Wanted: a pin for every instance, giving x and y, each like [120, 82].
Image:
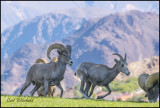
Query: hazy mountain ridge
[15, 11]
[40, 30]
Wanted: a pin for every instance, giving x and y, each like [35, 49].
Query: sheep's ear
[59, 52]
[115, 60]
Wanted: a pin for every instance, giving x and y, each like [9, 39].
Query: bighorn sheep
[49, 74]
[150, 84]
[99, 74]
[51, 89]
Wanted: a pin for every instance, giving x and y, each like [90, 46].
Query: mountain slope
[15, 11]
[134, 33]
[40, 30]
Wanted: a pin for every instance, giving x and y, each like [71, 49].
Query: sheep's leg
[34, 89]
[40, 91]
[39, 95]
[82, 87]
[93, 86]
[53, 91]
[109, 92]
[60, 87]
[88, 85]
[49, 91]
[26, 84]
[46, 84]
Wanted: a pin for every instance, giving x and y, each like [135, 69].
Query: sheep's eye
[122, 65]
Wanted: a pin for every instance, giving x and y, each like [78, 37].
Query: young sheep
[51, 89]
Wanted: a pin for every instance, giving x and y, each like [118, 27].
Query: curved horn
[125, 56]
[121, 58]
[54, 46]
[69, 48]
[141, 80]
[54, 59]
[151, 79]
[41, 60]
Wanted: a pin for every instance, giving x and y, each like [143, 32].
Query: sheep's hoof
[31, 93]
[99, 97]
[86, 97]
[82, 97]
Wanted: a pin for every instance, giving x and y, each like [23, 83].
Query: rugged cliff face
[147, 65]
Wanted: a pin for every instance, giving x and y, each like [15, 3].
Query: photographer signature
[20, 99]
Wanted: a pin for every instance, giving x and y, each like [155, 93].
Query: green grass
[64, 102]
[128, 85]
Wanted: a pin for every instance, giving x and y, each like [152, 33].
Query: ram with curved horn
[49, 74]
[150, 84]
[99, 74]
[51, 89]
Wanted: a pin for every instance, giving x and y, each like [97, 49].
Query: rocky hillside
[147, 65]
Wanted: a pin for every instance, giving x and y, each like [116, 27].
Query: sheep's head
[153, 93]
[122, 64]
[64, 53]
[150, 84]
